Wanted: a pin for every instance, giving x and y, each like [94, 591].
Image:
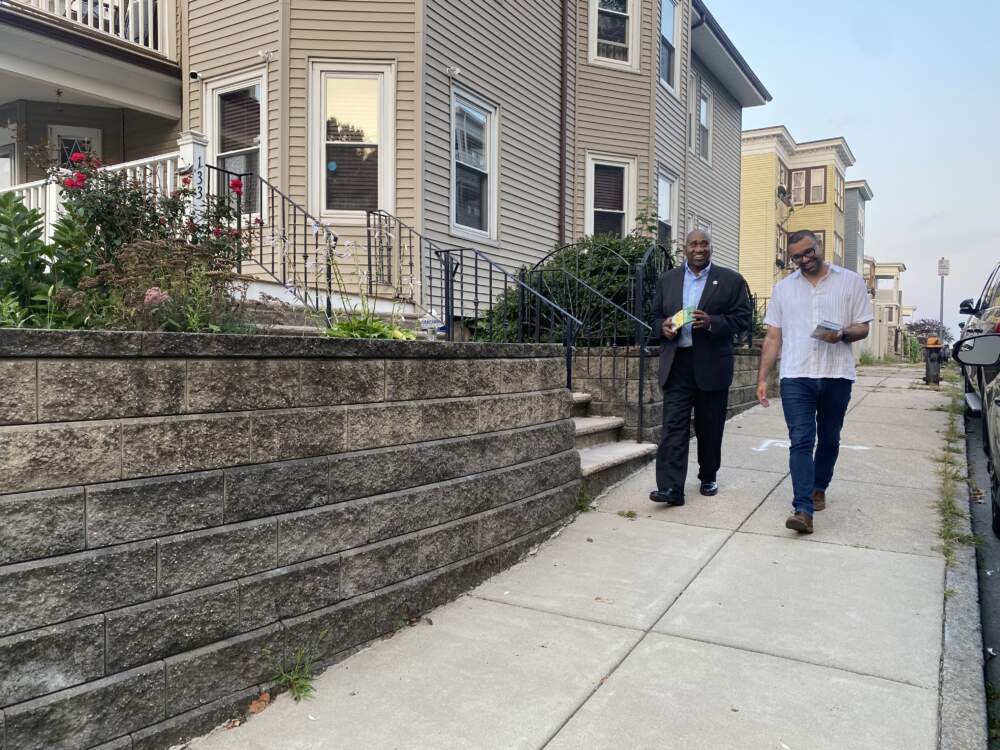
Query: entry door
[65, 140]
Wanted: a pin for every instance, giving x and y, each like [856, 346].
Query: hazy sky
[914, 87]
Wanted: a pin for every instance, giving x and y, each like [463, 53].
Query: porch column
[193, 163]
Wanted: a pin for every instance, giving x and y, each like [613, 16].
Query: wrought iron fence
[287, 242]
[393, 250]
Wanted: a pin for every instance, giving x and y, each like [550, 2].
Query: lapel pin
[715, 283]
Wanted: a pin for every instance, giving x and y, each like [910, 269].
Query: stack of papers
[825, 327]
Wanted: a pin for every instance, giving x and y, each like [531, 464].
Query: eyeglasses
[699, 243]
[808, 252]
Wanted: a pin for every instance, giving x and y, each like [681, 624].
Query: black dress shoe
[709, 488]
[670, 497]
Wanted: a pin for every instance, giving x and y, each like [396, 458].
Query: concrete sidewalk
[706, 626]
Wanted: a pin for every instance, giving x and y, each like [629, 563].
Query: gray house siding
[714, 188]
[512, 60]
[671, 122]
[854, 245]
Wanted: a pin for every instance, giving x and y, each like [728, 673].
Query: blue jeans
[814, 408]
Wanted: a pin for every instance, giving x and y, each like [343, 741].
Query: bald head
[698, 249]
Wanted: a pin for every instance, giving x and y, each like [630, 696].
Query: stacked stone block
[175, 508]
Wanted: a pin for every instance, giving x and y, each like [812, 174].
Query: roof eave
[717, 51]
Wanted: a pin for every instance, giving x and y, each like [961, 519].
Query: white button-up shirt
[797, 307]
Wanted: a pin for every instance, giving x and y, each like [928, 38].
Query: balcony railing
[147, 24]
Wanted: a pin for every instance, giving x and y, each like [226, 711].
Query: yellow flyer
[683, 316]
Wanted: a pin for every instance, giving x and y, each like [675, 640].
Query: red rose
[80, 178]
[217, 232]
[77, 156]
[236, 185]
[163, 221]
[69, 183]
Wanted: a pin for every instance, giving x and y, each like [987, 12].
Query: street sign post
[944, 267]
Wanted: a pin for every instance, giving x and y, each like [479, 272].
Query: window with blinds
[705, 124]
[799, 187]
[817, 185]
[238, 136]
[472, 164]
[609, 200]
[351, 120]
[665, 195]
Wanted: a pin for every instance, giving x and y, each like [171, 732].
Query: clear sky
[914, 87]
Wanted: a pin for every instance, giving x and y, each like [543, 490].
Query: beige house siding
[508, 56]
[714, 188]
[354, 31]
[614, 109]
[223, 38]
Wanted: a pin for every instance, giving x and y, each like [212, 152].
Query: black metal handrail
[392, 246]
[288, 243]
[605, 323]
[475, 287]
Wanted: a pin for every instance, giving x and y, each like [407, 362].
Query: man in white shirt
[816, 372]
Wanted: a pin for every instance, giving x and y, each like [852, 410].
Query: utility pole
[943, 268]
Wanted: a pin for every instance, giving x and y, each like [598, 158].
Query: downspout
[690, 125]
[563, 121]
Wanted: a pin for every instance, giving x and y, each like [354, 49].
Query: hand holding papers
[827, 331]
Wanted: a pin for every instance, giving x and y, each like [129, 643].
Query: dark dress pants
[680, 395]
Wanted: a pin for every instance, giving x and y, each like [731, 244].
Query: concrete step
[609, 463]
[581, 404]
[591, 431]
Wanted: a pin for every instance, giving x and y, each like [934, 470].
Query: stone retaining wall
[174, 507]
[611, 377]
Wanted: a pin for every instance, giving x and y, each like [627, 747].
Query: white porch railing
[149, 24]
[157, 173]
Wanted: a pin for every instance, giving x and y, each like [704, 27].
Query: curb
[962, 708]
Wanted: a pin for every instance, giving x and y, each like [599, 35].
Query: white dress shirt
[797, 307]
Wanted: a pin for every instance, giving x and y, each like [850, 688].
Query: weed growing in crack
[298, 676]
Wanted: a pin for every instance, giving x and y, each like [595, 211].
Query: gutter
[727, 43]
[563, 124]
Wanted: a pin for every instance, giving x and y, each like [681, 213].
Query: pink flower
[77, 156]
[186, 180]
[236, 185]
[257, 221]
[234, 234]
[155, 296]
[163, 221]
[217, 232]
[81, 178]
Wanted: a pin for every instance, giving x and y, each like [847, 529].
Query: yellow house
[788, 186]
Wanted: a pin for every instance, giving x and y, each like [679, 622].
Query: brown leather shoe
[819, 500]
[800, 522]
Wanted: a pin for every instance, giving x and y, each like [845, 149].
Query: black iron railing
[286, 241]
[757, 327]
[655, 261]
[393, 250]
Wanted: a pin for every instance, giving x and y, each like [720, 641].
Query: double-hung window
[783, 175]
[614, 33]
[838, 250]
[666, 210]
[809, 186]
[705, 123]
[610, 195]
[237, 109]
[861, 218]
[474, 165]
[817, 185]
[781, 250]
[838, 195]
[669, 12]
[352, 139]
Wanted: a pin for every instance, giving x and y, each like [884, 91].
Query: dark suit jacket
[725, 299]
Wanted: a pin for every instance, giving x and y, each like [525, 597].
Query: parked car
[984, 317]
[981, 354]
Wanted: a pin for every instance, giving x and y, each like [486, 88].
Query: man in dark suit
[696, 363]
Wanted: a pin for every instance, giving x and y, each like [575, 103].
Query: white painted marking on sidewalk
[786, 445]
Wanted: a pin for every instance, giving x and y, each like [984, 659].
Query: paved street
[703, 627]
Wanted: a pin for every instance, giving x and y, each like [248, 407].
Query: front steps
[604, 458]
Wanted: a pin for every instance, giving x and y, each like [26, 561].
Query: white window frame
[839, 250]
[213, 88]
[861, 218]
[672, 86]
[55, 132]
[492, 163]
[630, 187]
[385, 71]
[10, 150]
[634, 38]
[804, 187]
[839, 189]
[664, 176]
[692, 96]
[813, 185]
[706, 93]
